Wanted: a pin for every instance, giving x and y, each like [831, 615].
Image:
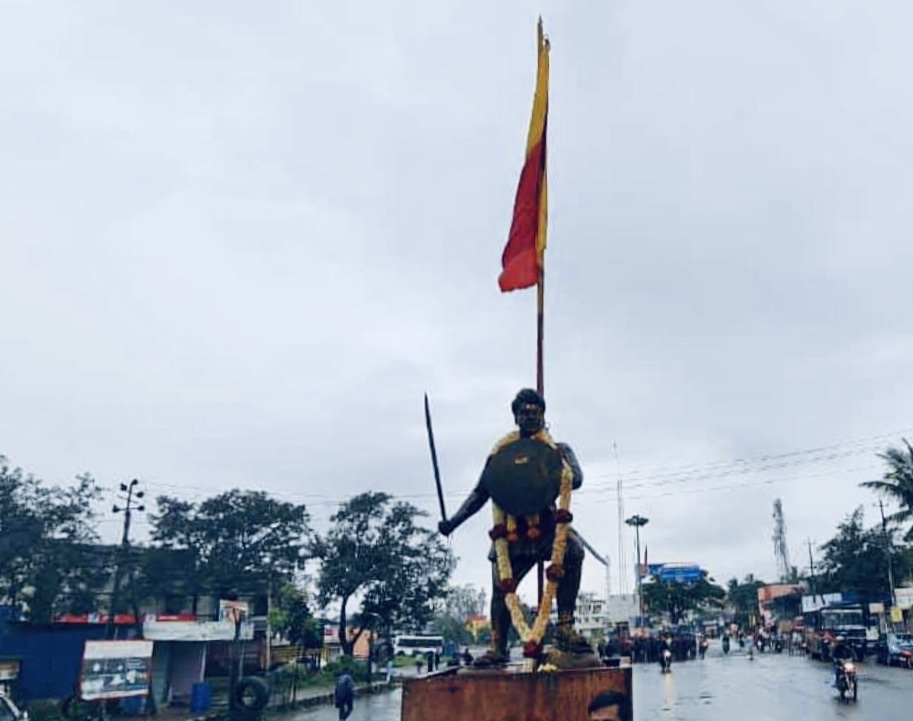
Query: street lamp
[637, 522]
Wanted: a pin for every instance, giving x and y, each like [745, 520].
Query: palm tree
[898, 484]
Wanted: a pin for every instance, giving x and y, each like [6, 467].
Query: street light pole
[122, 555]
[638, 521]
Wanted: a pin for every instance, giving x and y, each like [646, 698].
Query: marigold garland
[505, 530]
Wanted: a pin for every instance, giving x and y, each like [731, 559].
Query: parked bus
[417, 644]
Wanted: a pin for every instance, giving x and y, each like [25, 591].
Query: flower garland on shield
[505, 531]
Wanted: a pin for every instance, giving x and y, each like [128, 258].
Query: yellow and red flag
[524, 253]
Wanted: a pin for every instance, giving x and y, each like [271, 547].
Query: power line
[658, 478]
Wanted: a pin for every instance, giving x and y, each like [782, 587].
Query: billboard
[778, 590]
[674, 572]
[115, 669]
[813, 603]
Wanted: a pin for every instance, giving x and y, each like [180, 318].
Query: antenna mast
[622, 562]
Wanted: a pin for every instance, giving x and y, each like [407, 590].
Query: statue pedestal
[509, 694]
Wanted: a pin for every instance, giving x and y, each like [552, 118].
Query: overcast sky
[239, 240]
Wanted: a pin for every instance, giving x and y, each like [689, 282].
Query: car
[896, 649]
[9, 711]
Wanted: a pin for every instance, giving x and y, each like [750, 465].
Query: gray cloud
[238, 244]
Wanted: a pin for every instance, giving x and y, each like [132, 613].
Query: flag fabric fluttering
[524, 254]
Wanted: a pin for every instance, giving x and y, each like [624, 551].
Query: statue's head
[529, 412]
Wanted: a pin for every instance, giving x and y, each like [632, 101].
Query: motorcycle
[665, 660]
[846, 680]
[725, 644]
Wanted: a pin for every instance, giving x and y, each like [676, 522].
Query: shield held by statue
[523, 477]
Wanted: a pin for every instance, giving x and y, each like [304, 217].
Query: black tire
[74, 708]
[251, 694]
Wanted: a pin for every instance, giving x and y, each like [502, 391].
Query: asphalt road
[772, 687]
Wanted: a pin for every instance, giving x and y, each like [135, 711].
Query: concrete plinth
[510, 694]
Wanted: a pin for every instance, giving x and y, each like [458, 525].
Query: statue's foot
[571, 641]
[491, 659]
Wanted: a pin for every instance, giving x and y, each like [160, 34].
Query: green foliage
[375, 550]
[743, 599]
[856, 559]
[346, 664]
[677, 599]
[44, 536]
[240, 542]
[897, 484]
[292, 617]
[452, 616]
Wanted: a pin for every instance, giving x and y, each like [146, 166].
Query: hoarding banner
[115, 669]
[813, 603]
[904, 597]
[777, 590]
[233, 611]
[196, 630]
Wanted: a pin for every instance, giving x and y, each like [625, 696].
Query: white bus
[418, 644]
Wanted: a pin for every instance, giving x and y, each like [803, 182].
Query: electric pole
[811, 571]
[887, 553]
[123, 551]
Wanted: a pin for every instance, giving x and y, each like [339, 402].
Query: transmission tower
[779, 538]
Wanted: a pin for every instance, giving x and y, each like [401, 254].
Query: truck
[824, 625]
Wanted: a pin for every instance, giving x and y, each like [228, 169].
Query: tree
[374, 550]
[677, 598]
[743, 599]
[454, 613]
[240, 542]
[897, 484]
[291, 616]
[44, 534]
[856, 559]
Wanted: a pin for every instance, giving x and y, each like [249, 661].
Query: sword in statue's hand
[437, 472]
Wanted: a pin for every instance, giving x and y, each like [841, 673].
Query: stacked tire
[248, 699]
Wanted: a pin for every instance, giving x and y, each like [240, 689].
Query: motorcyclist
[841, 652]
[665, 661]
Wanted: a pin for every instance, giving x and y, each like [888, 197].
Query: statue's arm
[473, 503]
[568, 454]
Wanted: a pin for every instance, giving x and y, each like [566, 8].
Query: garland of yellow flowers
[505, 531]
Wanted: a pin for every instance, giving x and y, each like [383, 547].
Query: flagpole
[540, 321]
[540, 329]
[540, 389]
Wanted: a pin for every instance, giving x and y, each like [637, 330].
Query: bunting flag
[524, 255]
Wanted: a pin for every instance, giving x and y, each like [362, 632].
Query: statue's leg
[500, 614]
[566, 637]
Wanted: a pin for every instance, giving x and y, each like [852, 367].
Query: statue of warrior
[523, 477]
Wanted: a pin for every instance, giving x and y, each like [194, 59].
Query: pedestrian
[389, 669]
[418, 665]
[345, 694]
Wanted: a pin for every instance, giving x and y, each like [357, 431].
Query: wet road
[772, 687]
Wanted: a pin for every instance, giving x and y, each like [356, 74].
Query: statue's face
[529, 419]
